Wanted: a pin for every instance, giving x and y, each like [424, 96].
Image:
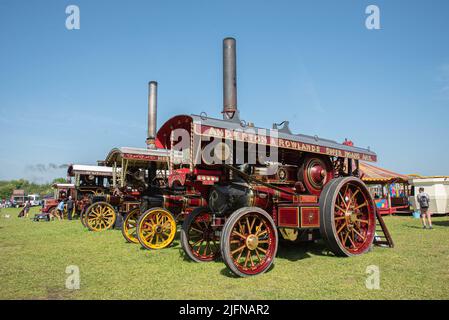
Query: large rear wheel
[156, 228]
[249, 241]
[198, 238]
[100, 216]
[129, 226]
[347, 216]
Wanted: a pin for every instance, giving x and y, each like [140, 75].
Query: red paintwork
[310, 217]
[49, 204]
[288, 217]
[178, 122]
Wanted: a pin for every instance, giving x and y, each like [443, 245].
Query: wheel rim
[354, 220]
[203, 243]
[130, 225]
[100, 217]
[157, 229]
[252, 243]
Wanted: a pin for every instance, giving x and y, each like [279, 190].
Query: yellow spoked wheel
[129, 226]
[156, 229]
[100, 216]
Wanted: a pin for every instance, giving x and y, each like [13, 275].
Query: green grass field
[34, 257]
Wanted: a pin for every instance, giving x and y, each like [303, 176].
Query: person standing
[424, 201]
[60, 209]
[26, 208]
[70, 204]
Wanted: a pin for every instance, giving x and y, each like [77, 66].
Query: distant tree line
[6, 187]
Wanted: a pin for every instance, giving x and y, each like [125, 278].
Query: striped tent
[373, 174]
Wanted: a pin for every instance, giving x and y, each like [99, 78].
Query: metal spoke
[361, 206]
[263, 250]
[247, 257]
[342, 226]
[239, 234]
[340, 208]
[252, 223]
[359, 234]
[238, 249]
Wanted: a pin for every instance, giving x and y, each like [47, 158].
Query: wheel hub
[317, 173]
[353, 217]
[252, 241]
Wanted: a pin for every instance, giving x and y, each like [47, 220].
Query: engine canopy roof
[232, 130]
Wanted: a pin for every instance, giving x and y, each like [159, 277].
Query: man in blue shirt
[60, 210]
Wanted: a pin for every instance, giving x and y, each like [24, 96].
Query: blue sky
[69, 96]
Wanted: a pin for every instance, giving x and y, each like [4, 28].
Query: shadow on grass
[414, 227]
[444, 223]
[294, 251]
[186, 258]
[173, 245]
[286, 250]
[229, 274]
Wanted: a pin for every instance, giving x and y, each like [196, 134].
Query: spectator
[70, 206]
[424, 200]
[60, 209]
[26, 208]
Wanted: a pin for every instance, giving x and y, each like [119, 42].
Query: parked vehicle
[61, 192]
[91, 184]
[18, 198]
[310, 190]
[438, 190]
[150, 208]
[35, 199]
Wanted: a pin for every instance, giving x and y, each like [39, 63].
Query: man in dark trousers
[424, 201]
[70, 205]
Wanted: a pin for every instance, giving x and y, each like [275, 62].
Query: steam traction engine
[140, 179]
[151, 209]
[61, 192]
[261, 184]
[90, 183]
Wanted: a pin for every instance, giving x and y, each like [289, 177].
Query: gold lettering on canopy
[253, 137]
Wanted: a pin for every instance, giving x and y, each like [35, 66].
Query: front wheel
[198, 238]
[347, 216]
[156, 229]
[249, 241]
[129, 226]
[100, 216]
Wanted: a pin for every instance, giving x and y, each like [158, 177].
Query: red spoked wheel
[198, 238]
[249, 241]
[347, 216]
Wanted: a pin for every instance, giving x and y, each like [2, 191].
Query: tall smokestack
[229, 79]
[152, 114]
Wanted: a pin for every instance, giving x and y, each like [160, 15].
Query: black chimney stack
[229, 79]
[152, 114]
